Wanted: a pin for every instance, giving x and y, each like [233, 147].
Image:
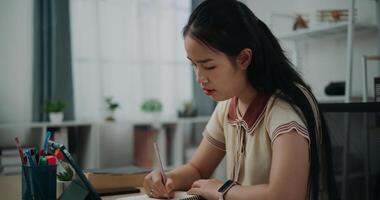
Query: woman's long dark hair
[230, 26]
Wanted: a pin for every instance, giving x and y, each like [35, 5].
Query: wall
[324, 59]
[16, 47]
[16, 44]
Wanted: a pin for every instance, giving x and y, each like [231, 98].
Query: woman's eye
[210, 68]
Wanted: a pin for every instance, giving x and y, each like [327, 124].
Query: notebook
[178, 196]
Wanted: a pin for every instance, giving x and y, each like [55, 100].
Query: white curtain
[131, 50]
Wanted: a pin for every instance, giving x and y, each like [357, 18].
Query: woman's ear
[243, 60]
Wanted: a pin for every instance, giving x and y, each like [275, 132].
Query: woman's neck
[245, 99]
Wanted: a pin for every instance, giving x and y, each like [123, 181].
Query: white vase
[56, 117]
[61, 186]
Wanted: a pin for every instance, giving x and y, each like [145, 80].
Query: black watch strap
[225, 187]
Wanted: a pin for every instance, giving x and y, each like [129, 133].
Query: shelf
[330, 99]
[148, 121]
[171, 120]
[45, 124]
[326, 30]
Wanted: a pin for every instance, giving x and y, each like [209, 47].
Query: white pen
[157, 150]
[163, 175]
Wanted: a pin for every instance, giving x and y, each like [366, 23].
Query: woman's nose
[201, 79]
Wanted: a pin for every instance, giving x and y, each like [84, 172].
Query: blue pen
[29, 155]
[32, 165]
[32, 177]
[46, 142]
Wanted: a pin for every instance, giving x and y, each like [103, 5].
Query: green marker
[43, 161]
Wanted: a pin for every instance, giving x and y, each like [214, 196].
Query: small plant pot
[56, 117]
[111, 117]
[61, 186]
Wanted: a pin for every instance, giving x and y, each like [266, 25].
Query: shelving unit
[329, 30]
[90, 145]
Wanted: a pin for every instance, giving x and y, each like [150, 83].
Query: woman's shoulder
[278, 107]
[277, 103]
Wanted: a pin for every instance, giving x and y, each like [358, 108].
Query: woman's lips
[208, 92]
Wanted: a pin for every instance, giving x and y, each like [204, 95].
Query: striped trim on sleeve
[285, 128]
[219, 145]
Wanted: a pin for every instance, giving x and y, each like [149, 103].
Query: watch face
[225, 186]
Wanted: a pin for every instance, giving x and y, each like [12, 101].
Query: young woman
[267, 122]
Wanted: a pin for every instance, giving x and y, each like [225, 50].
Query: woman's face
[220, 77]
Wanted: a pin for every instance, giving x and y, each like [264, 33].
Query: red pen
[20, 151]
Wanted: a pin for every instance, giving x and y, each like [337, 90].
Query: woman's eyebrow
[201, 61]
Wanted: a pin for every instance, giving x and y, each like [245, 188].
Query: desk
[124, 195]
[10, 189]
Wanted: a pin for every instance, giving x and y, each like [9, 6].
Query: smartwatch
[224, 188]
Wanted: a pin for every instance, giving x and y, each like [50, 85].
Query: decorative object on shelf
[55, 109]
[300, 22]
[144, 137]
[335, 88]
[334, 15]
[112, 106]
[152, 106]
[187, 110]
[366, 59]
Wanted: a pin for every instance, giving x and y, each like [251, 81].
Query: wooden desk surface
[124, 195]
[10, 189]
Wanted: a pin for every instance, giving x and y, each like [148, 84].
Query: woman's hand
[207, 188]
[154, 186]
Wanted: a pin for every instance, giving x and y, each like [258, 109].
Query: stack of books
[128, 176]
[10, 162]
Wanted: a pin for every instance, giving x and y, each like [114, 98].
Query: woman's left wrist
[225, 188]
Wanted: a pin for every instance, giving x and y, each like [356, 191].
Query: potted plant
[55, 110]
[64, 177]
[153, 107]
[112, 106]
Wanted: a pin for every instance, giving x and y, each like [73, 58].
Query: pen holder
[39, 182]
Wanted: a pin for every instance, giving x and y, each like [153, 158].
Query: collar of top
[253, 114]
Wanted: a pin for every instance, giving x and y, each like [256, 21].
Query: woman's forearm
[184, 176]
[263, 192]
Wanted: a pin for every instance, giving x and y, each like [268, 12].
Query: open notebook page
[178, 196]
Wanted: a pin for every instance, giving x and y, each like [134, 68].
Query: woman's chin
[218, 98]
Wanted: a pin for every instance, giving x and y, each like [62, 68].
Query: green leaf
[54, 106]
